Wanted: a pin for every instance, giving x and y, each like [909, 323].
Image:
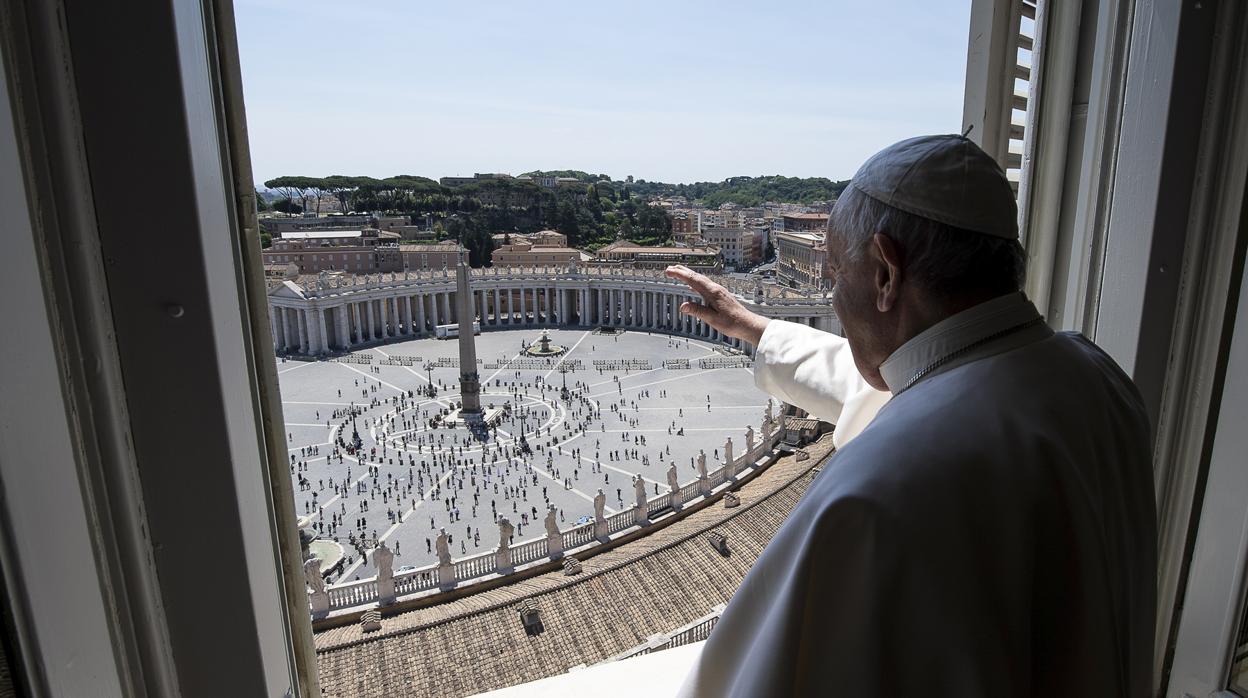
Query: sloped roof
[287, 289]
[653, 584]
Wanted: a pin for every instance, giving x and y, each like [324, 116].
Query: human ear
[887, 258]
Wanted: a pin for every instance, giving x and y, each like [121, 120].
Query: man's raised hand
[719, 308]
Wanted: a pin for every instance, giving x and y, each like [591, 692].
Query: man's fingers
[697, 310]
[696, 281]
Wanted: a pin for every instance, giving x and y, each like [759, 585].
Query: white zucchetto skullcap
[948, 179]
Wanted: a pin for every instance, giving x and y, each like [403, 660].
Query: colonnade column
[319, 340]
[273, 328]
[309, 317]
[303, 332]
[283, 318]
[340, 323]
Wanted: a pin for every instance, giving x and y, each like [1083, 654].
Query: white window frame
[1129, 205]
[146, 610]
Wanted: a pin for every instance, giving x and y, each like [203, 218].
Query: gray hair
[943, 259]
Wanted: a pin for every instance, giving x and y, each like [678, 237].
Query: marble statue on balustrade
[554, 539]
[704, 483]
[642, 515]
[312, 574]
[502, 559]
[749, 437]
[600, 502]
[673, 484]
[443, 548]
[728, 464]
[318, 597]
[600, 521]
[383, 561]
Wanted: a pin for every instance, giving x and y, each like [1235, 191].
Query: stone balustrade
[365, 592]
[696, 631]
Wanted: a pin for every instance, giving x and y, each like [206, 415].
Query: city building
[800, 260]
[431, 256]
[356, 251]
[545, 247]
[416, 233]
[278, 223]
[478, 177]
[684, 227]
[629, 254]
[805, 222]
[740, 247]
[521, 253]
[719, 218]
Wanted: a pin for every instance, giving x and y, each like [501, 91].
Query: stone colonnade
[316, 318]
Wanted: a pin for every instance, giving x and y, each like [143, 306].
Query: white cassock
[991, 532]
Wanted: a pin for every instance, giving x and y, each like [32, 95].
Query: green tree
[287, 206]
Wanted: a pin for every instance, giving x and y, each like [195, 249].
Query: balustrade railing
[621, 520]
[363, 592]
[659, 503]
[578, 536]
[528, 552]
[328, 285]
[696, 631]
[352, 594]
[689, 491]
[477, 566]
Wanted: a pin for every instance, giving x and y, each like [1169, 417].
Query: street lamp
[429, 370]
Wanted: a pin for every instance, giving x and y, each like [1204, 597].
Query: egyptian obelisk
[469, 381]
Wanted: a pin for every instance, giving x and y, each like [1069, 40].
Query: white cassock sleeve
[814, 370]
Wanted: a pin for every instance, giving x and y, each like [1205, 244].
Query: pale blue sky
[672, 91]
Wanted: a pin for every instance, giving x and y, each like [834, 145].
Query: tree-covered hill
[747, 191]
[590, 216]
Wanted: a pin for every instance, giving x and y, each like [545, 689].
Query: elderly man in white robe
[986, 524]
